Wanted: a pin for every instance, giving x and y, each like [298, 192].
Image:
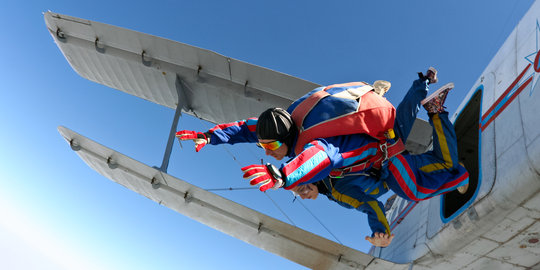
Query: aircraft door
[476, 151]
[467, 131]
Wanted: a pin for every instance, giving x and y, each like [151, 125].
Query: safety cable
[313, 215]
[290, 220]
[221, 189]
[232, 156]
[277, 206]
[240, 165]
[281, 210]
[305, 207]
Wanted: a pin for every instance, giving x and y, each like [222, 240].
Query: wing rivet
[457, 224]
[112, 164]
[187, 197]
[74, 145]
[146, 60]
[100, 47]
[155, 183]
[60, 35]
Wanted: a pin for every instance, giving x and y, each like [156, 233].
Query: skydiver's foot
[435, 102]
[381, 87]
[431, 75]
[463, 189]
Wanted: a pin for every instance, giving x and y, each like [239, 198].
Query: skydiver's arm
[376, 219]
[235, 132]
[311, 165]
[350, 192]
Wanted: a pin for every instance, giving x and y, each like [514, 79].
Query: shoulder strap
[302, 110]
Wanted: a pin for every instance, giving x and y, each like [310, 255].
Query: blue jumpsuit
[360, 193]
[412, 177]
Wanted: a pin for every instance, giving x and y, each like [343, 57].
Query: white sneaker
[434, 103]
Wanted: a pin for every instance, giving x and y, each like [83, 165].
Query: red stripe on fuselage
[507, 103]
[501, 97]
[403, 214]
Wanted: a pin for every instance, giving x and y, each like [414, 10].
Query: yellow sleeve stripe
[346, 199]
[355, 203]
[373, 192]
[380, 215]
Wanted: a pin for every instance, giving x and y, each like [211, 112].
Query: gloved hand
[268, 176]
[200, 138]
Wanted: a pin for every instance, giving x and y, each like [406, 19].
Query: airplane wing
[260, 230]
[205, 84]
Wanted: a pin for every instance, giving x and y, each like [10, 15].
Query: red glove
[268, 176]
[200, 138]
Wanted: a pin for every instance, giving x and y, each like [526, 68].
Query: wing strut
[179, 83]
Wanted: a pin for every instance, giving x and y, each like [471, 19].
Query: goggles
[272, 146]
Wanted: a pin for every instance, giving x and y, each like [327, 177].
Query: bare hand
[380, 239]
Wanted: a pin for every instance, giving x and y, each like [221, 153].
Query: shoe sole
[448, 86]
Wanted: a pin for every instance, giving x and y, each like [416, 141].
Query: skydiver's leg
[444, 154]
[408, 108]
[408, 182]
[419, 177]
[410, 105]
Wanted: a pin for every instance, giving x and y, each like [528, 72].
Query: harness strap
[384, 153]
[302, 110]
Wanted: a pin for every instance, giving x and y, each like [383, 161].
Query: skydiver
[336, 159]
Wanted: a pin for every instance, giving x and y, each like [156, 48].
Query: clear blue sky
[57, 213]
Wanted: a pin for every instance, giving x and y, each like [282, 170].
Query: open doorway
[467, 132]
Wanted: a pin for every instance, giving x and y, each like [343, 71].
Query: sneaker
[435, 102]
[431, 75]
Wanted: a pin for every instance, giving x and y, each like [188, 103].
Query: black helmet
[276, 124]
